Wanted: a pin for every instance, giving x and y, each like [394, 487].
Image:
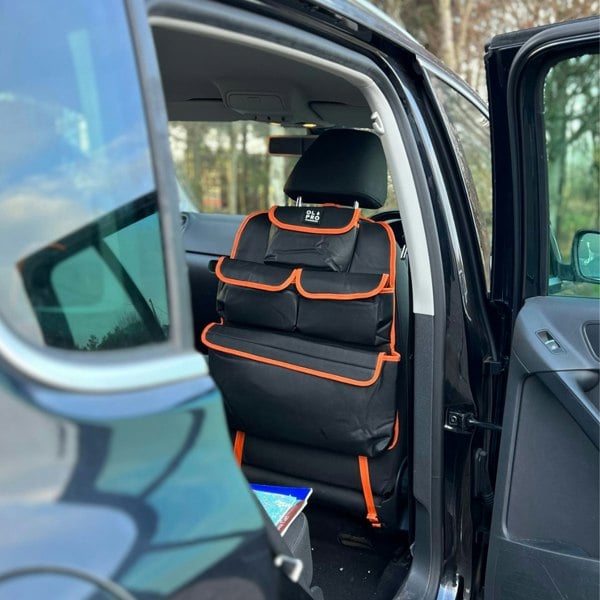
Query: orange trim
[365, 480]
[251, 284]
[353, 223]
[332, 296]
[238, 446]
[392, 283]
[392, 239]
[393, 327]
[381, 358]
[238, 235]
[396, 433]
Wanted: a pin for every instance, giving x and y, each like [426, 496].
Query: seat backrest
[305, 352]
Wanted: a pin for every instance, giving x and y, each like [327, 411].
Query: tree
[571, 118]
[457, 30]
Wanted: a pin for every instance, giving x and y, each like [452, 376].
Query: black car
[282, 236]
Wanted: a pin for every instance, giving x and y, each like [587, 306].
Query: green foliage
[129, 332]
[571, 117]
[227, 167]
[572, 126]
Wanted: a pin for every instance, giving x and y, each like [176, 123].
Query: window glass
[109, 294]
[572, 132]
[80, 242]
[473, 148]
[227, 168]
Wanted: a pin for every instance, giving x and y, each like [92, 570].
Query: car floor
[351, 559]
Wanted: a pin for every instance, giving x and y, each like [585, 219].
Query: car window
[472, 144]
[227, 167]
[80, 244]
[108, 292]
[572, 131]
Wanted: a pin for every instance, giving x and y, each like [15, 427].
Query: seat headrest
[341, 166]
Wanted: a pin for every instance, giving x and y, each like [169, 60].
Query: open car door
[544, 97]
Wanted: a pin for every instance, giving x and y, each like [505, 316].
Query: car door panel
[129, 473]
[545, 542]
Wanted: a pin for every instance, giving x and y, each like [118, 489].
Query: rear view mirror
[290, 145]
[586, 255]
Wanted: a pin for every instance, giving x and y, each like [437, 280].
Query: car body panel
[137, 461]
[119, 476]
[157, 493]
[544, 534]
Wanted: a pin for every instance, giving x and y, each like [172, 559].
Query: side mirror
[586, 255]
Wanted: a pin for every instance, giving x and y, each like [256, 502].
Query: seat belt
[289, 567]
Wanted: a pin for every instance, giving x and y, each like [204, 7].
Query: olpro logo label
[312, 216]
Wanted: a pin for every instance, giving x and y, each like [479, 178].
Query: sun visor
[343, 114]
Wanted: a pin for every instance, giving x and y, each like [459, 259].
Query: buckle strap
[238, 446]
[365, 480]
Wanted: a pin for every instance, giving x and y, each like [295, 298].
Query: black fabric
[373, 248]
[308, 305]
[243, 271]
[288, 546]
[318, 249]
[237, 303]
[337, 360]
[276, 402]
[371, 251]
[273, 310]
[297, 538]
[314, 218]
[252, 242]
[342, 166]
[366, 322]
[303, 354]
[325, 466]
[342, 284]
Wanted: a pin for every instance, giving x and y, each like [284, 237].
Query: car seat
[309, 347]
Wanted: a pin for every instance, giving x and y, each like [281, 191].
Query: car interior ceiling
[215, 80]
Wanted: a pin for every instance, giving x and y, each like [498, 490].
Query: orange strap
[365, 480]
[396, 433]
[238, 446]
[383, 282]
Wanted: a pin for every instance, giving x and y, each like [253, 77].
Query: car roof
[236, 79]
[363, 15]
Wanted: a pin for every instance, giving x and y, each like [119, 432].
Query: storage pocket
[322, 238]
[296, 390]
[255, 294]
[355, 308]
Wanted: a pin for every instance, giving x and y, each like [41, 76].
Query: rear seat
[306, 351]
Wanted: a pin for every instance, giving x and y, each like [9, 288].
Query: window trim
[150, 365]
[466, 178]
[391, 139]
[525, 93]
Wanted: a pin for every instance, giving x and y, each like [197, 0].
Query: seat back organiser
[305, 352]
